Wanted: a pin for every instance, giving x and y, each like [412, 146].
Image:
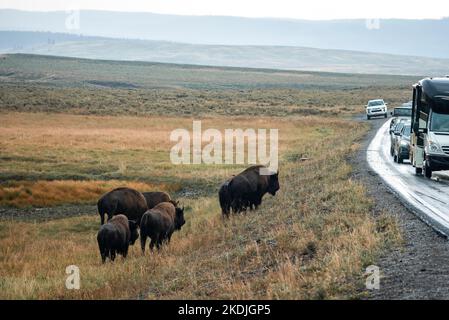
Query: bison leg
[112, 254]
[159, 241]
[153, 242]
[225, 212]
[103, 254]
[143, 241]
[125, 252]
[102, 218]
[235, 206]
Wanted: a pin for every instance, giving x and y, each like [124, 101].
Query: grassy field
[310, 241]
[77, 86]
[72, 129]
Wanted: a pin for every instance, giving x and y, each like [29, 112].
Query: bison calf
[159, 224]
[115, 237]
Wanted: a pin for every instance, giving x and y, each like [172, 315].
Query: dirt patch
[419, 269]
[46, 214]
[113, 84]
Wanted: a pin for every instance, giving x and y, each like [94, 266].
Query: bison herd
[158, 216]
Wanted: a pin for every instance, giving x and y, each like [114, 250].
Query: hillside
[63, 71]
[273, 57]
[404, 37]
[82, 86]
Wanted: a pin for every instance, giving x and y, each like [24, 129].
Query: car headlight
[434, 147]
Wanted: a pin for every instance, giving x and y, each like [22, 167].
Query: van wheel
[427, 171]
[395, 158]
[400, 160]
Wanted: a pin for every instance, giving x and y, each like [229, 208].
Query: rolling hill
[272, 57]
[403, 37]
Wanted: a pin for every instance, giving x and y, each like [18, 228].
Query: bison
[159, 224]
[115, 237]
[156, 197]
[246, 190]
[125, 201]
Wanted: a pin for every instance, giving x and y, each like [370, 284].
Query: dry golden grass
[312, 241]
[21, 194]
[72, 147]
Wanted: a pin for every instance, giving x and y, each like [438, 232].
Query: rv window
[439, 122]
[402, 112]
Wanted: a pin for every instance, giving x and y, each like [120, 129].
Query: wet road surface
[429, 199]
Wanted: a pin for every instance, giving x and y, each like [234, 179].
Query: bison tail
[106, 208]
[101, 210]
[102, 245]
[224, 196]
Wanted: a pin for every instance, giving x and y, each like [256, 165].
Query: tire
[395, 158]
[427, 171]
[418, 171]
[400, 160]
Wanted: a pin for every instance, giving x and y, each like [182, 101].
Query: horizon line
[225, 16]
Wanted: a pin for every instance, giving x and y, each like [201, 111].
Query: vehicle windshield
[439, 122]
[407, 131]
[402, 112]
[375, 103]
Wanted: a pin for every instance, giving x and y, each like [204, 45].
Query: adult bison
[159, 224]
[156, 197]
[125, 201]
[115, 237]
[247, 189]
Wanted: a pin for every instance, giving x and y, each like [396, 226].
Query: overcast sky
[300, 9]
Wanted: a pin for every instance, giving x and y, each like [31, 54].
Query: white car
[376, 108]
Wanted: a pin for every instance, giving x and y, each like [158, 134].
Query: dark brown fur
[159, 224]
[115, 237]
[246, 190]
[156, 197]
[125, 201]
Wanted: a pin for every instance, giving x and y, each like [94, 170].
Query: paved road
[429, 199]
